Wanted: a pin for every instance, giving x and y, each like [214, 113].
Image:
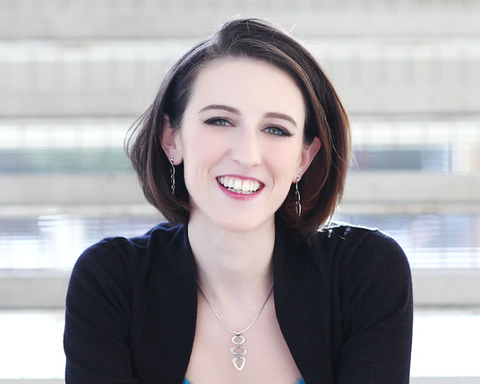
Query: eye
[218, 121]
[277, 131]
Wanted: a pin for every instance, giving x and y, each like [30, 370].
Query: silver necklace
[238, 350]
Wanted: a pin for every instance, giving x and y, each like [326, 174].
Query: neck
[233, 266]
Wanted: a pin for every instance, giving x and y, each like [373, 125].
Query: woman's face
[241, 141]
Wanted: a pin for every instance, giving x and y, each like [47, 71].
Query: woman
[245, 151]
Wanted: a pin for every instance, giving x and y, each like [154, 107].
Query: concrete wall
[411, 192]
[446, 288]
[33, 288]
[120, 78]
[152, 18]
[104, 58]
[388, 191]
[70, 190]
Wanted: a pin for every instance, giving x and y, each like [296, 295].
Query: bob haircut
[322, 184]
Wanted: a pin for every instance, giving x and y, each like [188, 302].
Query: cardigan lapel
[173, 312]
[301, 291]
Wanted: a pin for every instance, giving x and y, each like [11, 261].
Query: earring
[172, 177]
[298, 205]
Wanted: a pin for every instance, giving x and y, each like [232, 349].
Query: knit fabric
[343, 302]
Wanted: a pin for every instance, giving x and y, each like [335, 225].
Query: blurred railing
[430, 241]
[97, 146]
[63, 148]
[55, 241]
[428, 146]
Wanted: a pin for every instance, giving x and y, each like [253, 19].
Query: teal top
[185, 381]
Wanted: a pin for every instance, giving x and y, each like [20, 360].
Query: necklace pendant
[239, 351]
[242, 362]
[238, 342]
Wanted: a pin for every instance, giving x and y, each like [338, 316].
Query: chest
[263, 352]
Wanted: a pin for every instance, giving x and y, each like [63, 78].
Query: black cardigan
[343, 302]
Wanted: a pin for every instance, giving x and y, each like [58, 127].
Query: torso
[268, 358]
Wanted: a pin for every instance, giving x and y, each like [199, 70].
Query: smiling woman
[244, 124]
[244, 151]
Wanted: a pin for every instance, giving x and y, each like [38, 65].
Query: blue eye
[277, 131]
[217, 121]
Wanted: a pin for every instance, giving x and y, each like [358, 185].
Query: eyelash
[217, 120]
[221, 122]
[280, 131]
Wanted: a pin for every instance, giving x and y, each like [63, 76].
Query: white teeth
[239, 186]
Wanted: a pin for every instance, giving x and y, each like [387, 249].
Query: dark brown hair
[322, 184]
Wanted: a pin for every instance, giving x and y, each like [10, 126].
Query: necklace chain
[239, 351]
[221, 321]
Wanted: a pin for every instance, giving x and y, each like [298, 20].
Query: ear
[169, 142]
[308, 154]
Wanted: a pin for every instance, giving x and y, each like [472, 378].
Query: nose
[246, 148]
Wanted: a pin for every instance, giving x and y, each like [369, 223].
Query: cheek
[201, 153]
[285, 160]
[204, 148]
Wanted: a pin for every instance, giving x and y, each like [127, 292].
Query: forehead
[243, 82]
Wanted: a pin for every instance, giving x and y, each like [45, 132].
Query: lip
[236, 195]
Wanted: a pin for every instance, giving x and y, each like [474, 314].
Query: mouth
[243, 187]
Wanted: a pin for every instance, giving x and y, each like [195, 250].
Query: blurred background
[75, 74]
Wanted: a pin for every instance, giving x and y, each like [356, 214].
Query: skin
[243, 123]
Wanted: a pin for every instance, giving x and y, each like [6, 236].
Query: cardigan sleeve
[98, 316]
[377, 313]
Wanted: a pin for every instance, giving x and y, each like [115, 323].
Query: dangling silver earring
[172, 177]
[298, 205]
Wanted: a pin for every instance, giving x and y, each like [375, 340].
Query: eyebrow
[282, 116]
[275, 115]
[219, 106]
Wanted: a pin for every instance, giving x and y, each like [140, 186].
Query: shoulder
[158, 235]
[354, 235]
[118, 254]
[118, 269]
[366, 263]
[371, 281]
[371, 302]
[352, 238]
[355, 248]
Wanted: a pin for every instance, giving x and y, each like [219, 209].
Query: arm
[98, 316]
[377, 312]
